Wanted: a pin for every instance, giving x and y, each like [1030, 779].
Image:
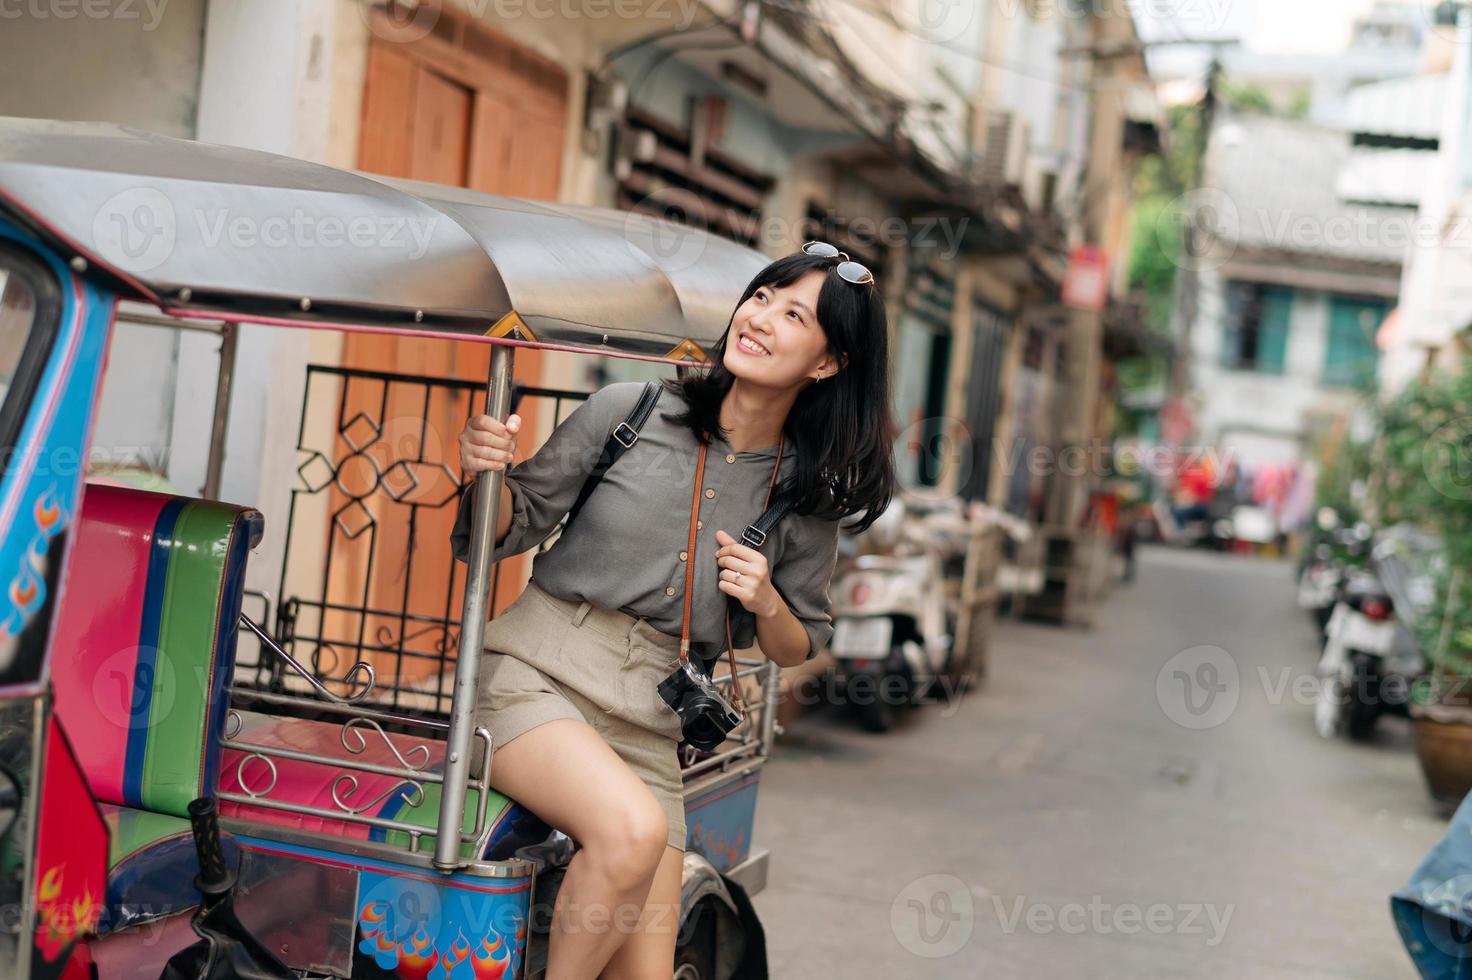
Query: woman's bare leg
[649, 954]
[565, 773]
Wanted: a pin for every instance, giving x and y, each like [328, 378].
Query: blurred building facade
[964, 160]
[1429, 330]
[1299, 268]
[1389, 41]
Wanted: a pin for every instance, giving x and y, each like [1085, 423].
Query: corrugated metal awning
[251, 236]
[1402, 107]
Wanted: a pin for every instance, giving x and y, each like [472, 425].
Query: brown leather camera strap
[690, 554]
[690, 566]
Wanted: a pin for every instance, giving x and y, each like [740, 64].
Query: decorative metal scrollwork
[414, 798]
[351, 678]
[353, 740]
[447, 640]
[245, 786]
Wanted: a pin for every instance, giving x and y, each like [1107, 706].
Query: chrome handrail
[479, 561]
[290, 661]
[296, 755]
[722, 759]
[414, 831]
[413, 777]
[356, 711]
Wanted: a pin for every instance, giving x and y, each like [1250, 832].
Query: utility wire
[618, 52]
[1024, 71]
[666, 53]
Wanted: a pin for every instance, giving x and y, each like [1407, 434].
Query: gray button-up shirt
[626, 550]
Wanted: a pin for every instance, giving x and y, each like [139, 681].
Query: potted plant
[1441, 704]
[1425, 477]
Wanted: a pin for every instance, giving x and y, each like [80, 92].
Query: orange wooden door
[422, 124]
[518, 142]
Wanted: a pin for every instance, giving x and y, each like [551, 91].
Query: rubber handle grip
[204, 819]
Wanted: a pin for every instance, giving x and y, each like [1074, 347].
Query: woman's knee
[628, 839]
[569, 776]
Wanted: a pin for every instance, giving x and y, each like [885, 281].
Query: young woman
[797, 392]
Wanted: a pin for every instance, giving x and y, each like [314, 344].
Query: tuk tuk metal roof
[244, 235]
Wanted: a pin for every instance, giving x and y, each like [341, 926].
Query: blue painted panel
[42, 480]
[719, 823]
[415, 923]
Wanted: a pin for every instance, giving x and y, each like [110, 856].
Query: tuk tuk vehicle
[357, 815]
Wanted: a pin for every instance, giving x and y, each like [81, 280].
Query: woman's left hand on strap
[745, 575]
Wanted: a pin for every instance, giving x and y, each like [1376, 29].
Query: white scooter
[893, 633]
[1371, 659]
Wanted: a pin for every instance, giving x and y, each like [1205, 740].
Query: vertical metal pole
[220, 424]
[472, 627]
[771, 696]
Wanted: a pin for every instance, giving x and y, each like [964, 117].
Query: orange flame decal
[24, 591]
[50, 886]
[47, 513]
[416, 957]
[491, 960]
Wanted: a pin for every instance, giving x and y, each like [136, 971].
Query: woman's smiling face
[775, 338]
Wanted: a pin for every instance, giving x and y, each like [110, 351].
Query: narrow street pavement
[1059, 823]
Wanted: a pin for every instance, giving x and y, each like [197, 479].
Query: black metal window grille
[384, 475]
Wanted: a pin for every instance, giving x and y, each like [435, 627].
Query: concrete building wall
[1257, 416]
[137, 66]
[749, 134]
[275, 73]
[286, 76]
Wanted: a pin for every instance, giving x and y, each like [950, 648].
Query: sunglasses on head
[849, 270]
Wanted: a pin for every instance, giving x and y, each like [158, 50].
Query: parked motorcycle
[1371, 658]
[893, 634]
[1203, 526]
[1251, 527]
[951, 526]
[1318, 585]
[1333, 553]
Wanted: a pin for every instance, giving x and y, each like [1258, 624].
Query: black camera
[705, 716]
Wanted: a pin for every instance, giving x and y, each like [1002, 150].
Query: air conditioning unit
[632, 144]
[1003, 158]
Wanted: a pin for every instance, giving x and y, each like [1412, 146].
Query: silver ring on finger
[738, 576]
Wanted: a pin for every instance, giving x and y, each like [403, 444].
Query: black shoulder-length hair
[839, 428]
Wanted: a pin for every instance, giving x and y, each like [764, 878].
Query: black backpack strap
[755, 536]
[620, 441]
[756, 533]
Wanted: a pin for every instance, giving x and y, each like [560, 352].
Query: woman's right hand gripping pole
[486, 443]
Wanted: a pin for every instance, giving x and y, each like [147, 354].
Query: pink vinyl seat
[145, 640]
[144, 648]
[144, 652]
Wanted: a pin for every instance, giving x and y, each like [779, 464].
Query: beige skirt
[546, 658]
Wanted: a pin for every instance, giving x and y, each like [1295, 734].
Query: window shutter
[1350, 354]
[1231, 351]
[1272, 342]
